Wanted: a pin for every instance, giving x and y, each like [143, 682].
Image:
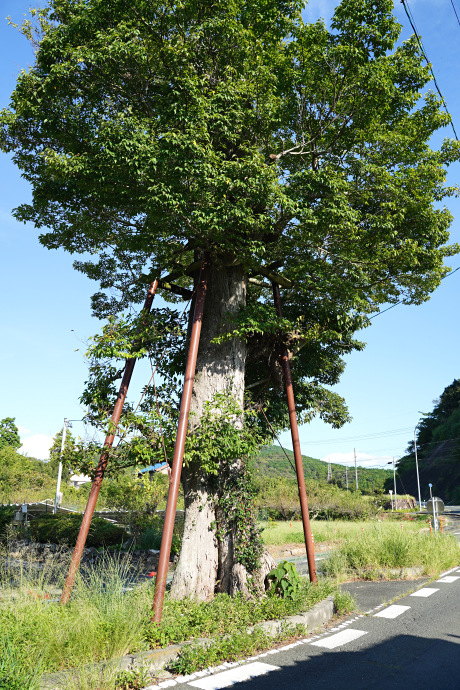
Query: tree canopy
[9, 433]
[55, 455]
[154, 132]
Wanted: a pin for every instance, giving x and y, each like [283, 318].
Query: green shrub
[63, 529]
[285, 580]
[278, 499]
[151, 537]
[6, 518]
[232, 647]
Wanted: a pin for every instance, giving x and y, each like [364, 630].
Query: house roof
[154, 468]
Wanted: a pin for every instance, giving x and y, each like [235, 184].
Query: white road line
[392, 611]
[235, 675]
[449, 579]
[425, 592]
[339, 639]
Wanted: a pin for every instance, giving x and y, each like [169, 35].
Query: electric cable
[279, 442]
[407, 9]
[455, 11]
[368, 437]
[401, 301]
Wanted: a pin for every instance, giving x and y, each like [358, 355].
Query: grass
[334, 532]
[379, 549]
[100, 622]
[103, 621]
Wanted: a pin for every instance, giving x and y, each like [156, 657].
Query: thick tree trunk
[204, 561]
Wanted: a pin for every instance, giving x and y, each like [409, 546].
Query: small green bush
[285, 580]
[63, 530]
[6, 518]
[344, 603]
[151, 537]
[237, 645]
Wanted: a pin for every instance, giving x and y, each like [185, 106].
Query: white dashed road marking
[235, 675]
[339, 639]
[425, 592]
[392, 611]
[449, 578]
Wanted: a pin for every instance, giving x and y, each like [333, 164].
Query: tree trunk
[204, 560]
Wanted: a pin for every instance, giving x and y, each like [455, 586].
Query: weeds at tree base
[105, 620]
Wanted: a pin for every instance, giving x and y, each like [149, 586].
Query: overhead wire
[279, 442]
[368, 437]
[455, 11]
[409, 14]
[401, 301]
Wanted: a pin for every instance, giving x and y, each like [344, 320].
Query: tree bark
[205, 564]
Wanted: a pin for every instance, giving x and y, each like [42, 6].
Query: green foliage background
[438, 449]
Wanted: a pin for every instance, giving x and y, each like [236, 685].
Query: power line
[405, 4]
[401, 301]
[365, 437]
[453, 7]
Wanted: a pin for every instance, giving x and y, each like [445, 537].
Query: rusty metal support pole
[296, 445]
[168, 528]
[100, 470]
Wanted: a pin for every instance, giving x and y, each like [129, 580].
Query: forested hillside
[438, 448]
[273, 462]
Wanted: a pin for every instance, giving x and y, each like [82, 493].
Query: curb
[156, 659]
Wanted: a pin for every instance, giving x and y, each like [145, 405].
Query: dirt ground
[280, 551]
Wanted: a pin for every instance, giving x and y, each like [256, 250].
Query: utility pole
[394, 480]
[394, 484]
[329, 472]
[58, 484]
[416, 467]
[356, 469]
[346, 475]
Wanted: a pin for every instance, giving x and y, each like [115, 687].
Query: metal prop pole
[296, 445]
[94, 493]
[165, 549]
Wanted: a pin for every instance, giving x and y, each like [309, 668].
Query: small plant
[134, 679]
[285, 580]
[238, 645]
[344, 602]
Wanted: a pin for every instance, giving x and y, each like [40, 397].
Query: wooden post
[296, 445]
[168, 528]
[103, 460]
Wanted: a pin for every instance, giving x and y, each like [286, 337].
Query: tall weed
[379, 549]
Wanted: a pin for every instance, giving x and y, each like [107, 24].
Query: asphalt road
[416, 644]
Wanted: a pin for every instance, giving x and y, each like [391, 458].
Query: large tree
[155, 131]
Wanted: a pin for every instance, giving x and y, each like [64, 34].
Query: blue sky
[411, 353]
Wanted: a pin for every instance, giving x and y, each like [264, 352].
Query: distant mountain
[438, 450]
[273, 462]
